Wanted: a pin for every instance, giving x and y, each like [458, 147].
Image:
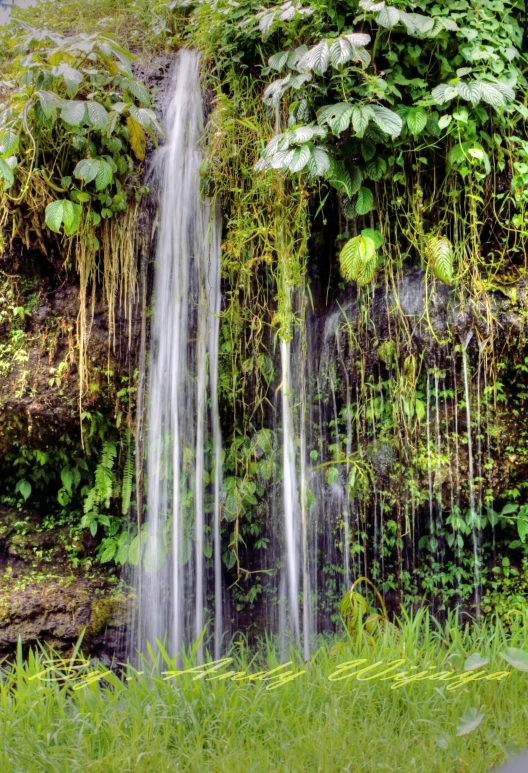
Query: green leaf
[97, 114]
[361, 115]
[387, 120]
[319, 162]
[375, 235]
[104, 175]
[345, 180]
[67, 478]
[376, 168]
[355, 255]
[470, 91]
[416, 120]
[316, 59]
[332, 474]
[8, 142]
[439, 253]
[49, 103]
[73, 112]
[24, 487]
[336, 116]
[108, 553]
[341, 51]
[365, 201]
[87, 169]
[445, 120]
[516, 658]
[475, 661]
[469, 721]
[6, 174]
[388, 17]
[64, 212]
[138, 90]
[278, 60]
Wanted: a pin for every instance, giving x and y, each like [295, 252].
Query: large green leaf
[469, 721]
[319, 162]
[416, 120]
[361, 115]
[6, 174]
[516, 657]
[388, 17]
[316, 59]
[300, 158]
[97, 114]
[63, 212]
[345, 179]
[73, 112]
[364, 201]
[439, 253]
[336, 116]
[8, 142]
[87, 169]
[387, 120]
[137, 89]
[341, 51]
[358, 259]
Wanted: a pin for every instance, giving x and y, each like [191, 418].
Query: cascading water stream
[182, 384]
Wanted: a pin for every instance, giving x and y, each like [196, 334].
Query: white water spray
[183, 376]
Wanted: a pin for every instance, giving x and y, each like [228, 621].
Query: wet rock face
[45, 598]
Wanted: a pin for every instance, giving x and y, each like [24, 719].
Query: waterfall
[182, 389]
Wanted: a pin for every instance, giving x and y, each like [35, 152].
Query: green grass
[154, 723]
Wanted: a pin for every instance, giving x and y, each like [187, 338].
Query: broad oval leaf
[352, 257]
[8, 142]
[6, 174]
[388, 17]
[336, 116]
[300, 158]
[469, 721]
[278, 60]
[316, 59]
[87, 169]
[341, 51]
[73, 112]
[387, 120]
[364, 201]
[137, 138]
[516, 657]
[319, 162]
[97, 114]
[361, 115]
[416, 120]
[470, 90]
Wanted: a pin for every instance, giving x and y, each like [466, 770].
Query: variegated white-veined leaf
[278, 60]
[444, 93]
[504, 89]
[358, 39]
[299, 80]
[278, 142]
[387, 120]
[262, 164]
[97, 115]
[388, 17]
[316, 59]
[336, 116]
[491, 94]
[469, 90]
[287, 14]
[372, 5]
[448, 24]
[300, 158]
[266, 21]
[274, 91]
[361, 116]
[319, 162]
[341, 51]
[295, 55]
[304, 134]
[73, 112]
[281, 160]
[49, 102]
[416, 22]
